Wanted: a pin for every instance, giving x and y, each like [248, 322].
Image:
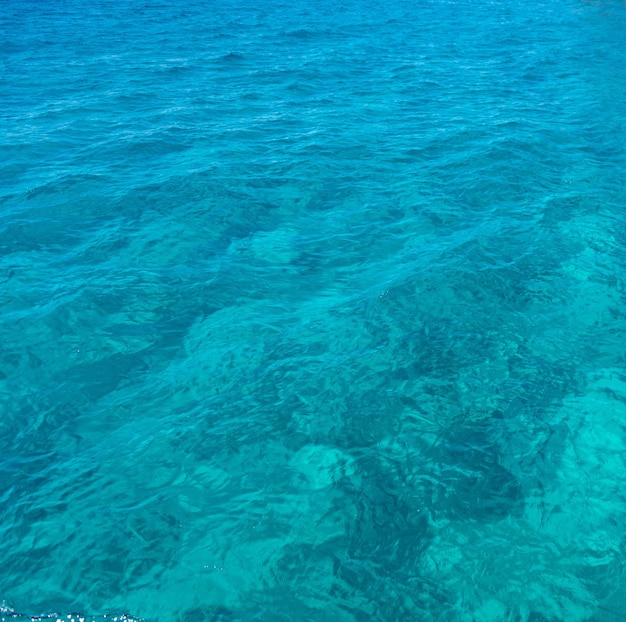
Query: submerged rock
[470, 483]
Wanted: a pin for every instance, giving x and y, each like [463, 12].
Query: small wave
[7, 613]
[232, 57]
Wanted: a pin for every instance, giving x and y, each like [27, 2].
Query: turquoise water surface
[313, 311]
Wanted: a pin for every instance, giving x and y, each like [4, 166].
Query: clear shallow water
[313, 313]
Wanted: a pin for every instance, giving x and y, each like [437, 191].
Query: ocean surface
[313, 311]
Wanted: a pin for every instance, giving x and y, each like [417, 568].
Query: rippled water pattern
[313, 310]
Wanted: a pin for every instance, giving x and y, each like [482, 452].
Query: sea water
[313, 310]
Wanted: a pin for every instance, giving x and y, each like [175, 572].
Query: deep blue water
[313, 310]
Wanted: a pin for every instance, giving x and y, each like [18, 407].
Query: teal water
[313, 311]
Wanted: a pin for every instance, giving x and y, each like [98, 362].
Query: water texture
[313, 310]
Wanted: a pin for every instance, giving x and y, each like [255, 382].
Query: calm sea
[313, 311]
